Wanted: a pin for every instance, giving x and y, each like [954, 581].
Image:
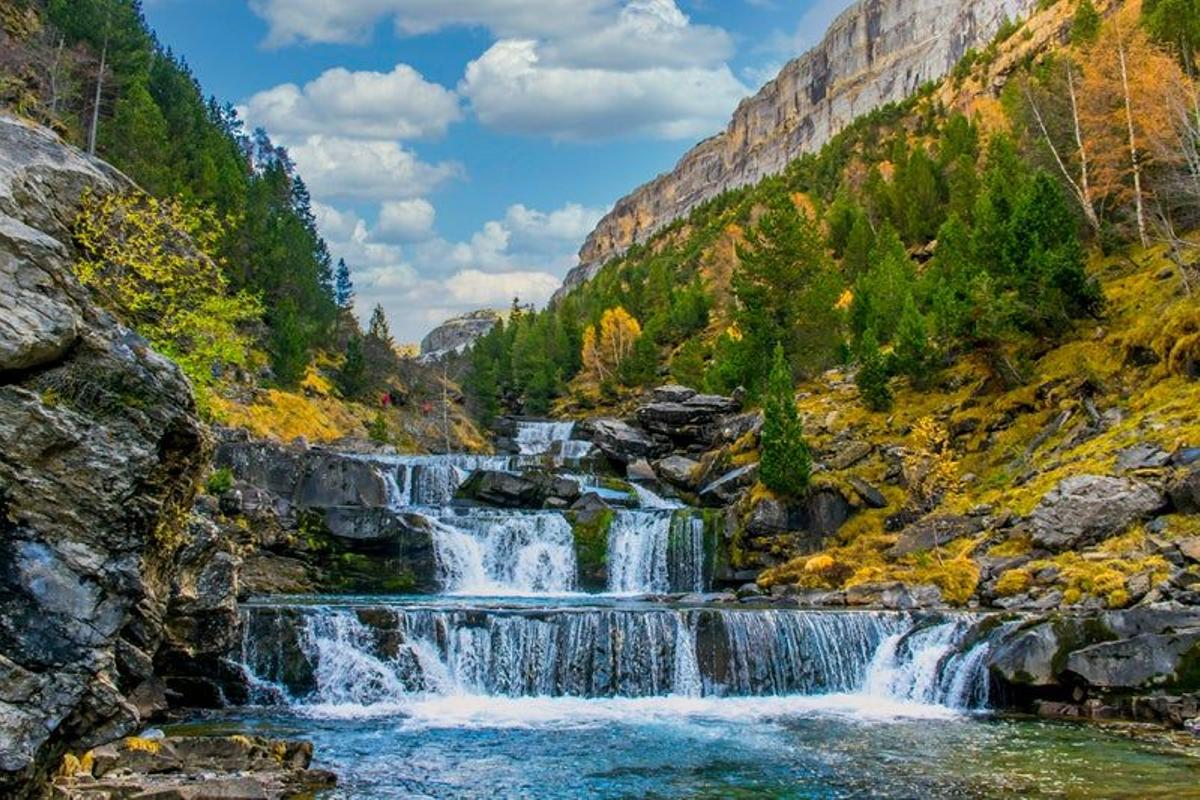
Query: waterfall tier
[390, 654]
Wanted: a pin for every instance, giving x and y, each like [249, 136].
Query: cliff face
[876, 52]
[100, 452]
[455, 334]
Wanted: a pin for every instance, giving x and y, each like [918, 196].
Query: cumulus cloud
[405, 220]
[422, 282]
[399, 104]
[348, 21]
[475, 289]
[337, 167]
[511, 89]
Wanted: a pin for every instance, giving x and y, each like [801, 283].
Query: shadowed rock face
[100, 451]
[876, 52]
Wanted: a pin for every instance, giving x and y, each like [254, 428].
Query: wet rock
[623, 442]
[100, 453]
[376, 550]
[871, 594]
[1028, 657]
[194, 768]
[870, 496]
[726, 489]
[640, 470]
[934, 531]
[677, 470]
[504, 489]
[1084, 509]
[1139, 661]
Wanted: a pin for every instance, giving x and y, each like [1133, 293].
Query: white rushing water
[655, 551]
[347, 661]
[498, 553]
[537, 438]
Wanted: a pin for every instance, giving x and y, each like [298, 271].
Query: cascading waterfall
[537, 438]
[492, 553]
[365, 656]
[656, 551]
[430, 481]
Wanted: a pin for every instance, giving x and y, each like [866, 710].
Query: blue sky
[459, 151]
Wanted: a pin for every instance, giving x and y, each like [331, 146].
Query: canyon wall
[876, 52]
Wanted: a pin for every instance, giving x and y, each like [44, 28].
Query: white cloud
[399, 104]
[512, 90]
[347, 21]
[403, 221]
[479, 289]
[421, 283]
[336, 167]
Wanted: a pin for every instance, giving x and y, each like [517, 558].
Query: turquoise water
[832, 747]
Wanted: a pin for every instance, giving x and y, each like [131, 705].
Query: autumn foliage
[608, 344]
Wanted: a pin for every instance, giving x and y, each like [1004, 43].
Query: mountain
[874, 53]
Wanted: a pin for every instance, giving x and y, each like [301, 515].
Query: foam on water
[495, 554]
[537, 438]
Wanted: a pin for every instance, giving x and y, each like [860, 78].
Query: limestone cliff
[876, 52]
[100, 451]
[457, 333]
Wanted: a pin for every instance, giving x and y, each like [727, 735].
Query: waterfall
[366, 656]
[656, 551]
[637, 552]
[537, 438]
[495, 553]
[426, 481]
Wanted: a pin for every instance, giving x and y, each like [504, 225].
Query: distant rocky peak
[456, 334]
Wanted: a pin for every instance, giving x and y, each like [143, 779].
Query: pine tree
[786, 464]
[913, 354]
[352, 377]
[344, 287]
[378, 328]
[1086, 23]
[856, 258]
[872, 379]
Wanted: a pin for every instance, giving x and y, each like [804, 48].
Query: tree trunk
[1133, 153]
[96, 99]
[1084, 185]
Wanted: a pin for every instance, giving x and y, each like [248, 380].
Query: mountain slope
[876, 52]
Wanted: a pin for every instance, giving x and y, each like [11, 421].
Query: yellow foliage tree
[606, 345]
[1124, 111]
[152, 263]
[930, 469]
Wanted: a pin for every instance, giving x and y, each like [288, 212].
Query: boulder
[867, 493]
[848, 455]
[904, 598]
[694, 419]
[735, 426]
[623, 442]
[1184, 491]
[672, 393]
[1148, 659]
[1083, 509]
[727, 488]
[934, 531]
[376, 550]
[826, 510]
[100, 454]
[503, 489]
[1027, 658]
[1142, 456]
[768, 516]
[194, 768]
[677, 470]
[640, 470]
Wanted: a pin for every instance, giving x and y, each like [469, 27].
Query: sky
[459, 151]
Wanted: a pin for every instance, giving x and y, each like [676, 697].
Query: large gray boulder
[622, 442]
[1083, 509]
[1142, 661]
[686, 418]
[100, 453]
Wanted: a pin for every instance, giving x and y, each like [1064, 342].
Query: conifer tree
[352, 377]
[378, 328]
[913, 354]
[872, 379]
[786, 464]
[344, 286]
